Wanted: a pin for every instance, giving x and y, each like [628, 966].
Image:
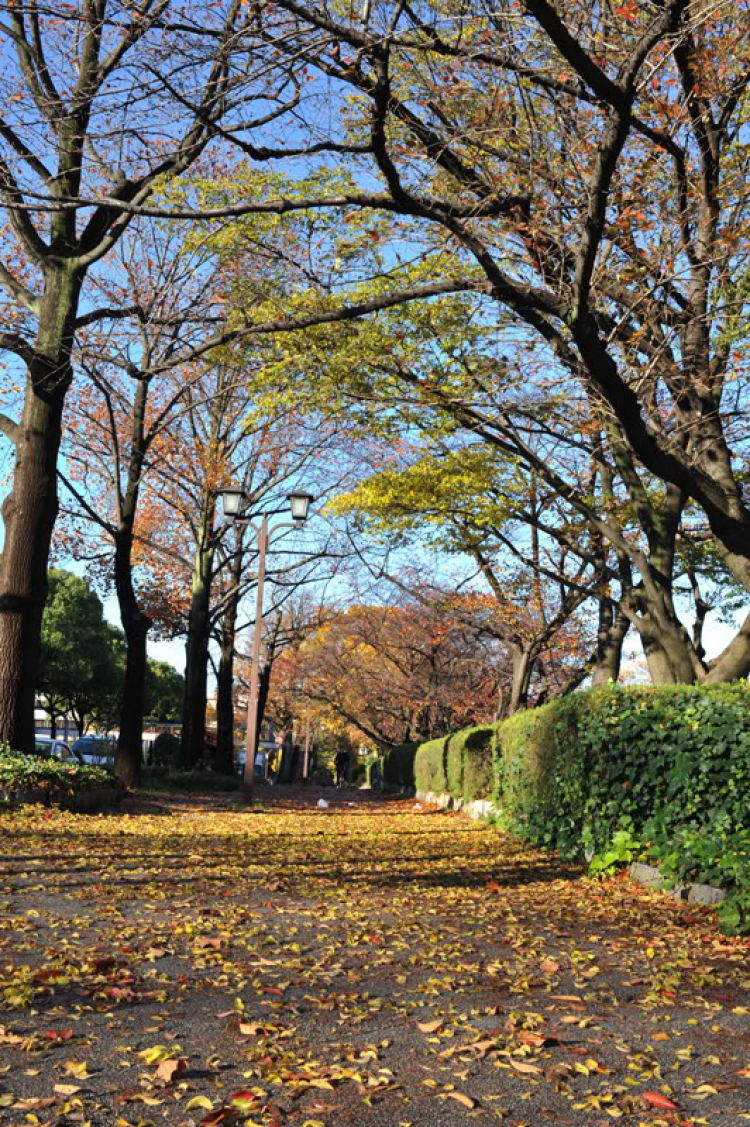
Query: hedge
[398, 765]
[664, 773]
[460, 765]
[33, 778]
[668, 768]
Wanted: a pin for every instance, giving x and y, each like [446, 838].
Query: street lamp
[233, 500]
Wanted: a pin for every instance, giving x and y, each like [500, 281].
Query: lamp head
[299, 503]
[231, 499]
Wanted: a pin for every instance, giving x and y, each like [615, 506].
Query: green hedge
[57, 778]
[663, 773]
[398, 765]
[460, 765]
[669, 767]
[430, 766]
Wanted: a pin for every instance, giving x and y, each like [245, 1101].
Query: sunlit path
[373, 962]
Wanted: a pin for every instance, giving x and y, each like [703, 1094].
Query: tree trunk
[613, 627]
[130, 741]
[668, 661]
[30, 509]
[196, 648]
[225, 678]
[523, 666]
[224, 762]
[135, 623]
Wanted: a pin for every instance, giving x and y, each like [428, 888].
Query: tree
[79, 669]
[597, 199]
[392, 673]
[165, 687]
[104, 105]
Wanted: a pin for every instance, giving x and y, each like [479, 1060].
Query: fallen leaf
[460, 1098]
[657, 1100]
[170, 1068]
[521, 1066]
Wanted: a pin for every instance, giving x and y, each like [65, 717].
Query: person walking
[341, 764]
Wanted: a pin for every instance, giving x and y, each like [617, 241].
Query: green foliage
[398, 765]
[621, 851]
[82, 655]
[21, 772]
[460, 765]
[430, 766]
[165, 688]
[474, 481]
[668, 767]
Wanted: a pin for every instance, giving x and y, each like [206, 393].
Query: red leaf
[58, 1034]
[656, 1099]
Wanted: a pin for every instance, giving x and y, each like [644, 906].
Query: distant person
[341, 763]
[376, 776]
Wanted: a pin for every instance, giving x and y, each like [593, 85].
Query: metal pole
[251, 740]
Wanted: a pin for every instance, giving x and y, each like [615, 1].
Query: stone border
[476, 809]
[647, 875]
[650, 877]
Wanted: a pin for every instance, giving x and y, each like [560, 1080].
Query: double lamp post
[234, 502]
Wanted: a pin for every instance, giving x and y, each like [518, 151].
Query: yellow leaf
[199, 1101]
[460, 1098]
[429, 1026]
[77, 1068]
[67, 1089]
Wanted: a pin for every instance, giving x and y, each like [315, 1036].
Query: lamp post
[233, 500]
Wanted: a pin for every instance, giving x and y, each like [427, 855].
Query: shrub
[476, 746]
[460, 765]
[19, 772]
[668, 766]
[398, 765]
[430, 766]
[165, 751]
[454, 765]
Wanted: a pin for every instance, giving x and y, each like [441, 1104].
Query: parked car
[56, 749]
[98, 751]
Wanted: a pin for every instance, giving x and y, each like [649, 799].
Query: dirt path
[373, 963]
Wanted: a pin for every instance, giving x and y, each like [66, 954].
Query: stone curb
[476, 809]
[647, 875]
[650, 877]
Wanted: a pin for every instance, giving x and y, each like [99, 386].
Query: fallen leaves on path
[370, 962]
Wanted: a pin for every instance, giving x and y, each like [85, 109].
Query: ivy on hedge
[668, 766]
